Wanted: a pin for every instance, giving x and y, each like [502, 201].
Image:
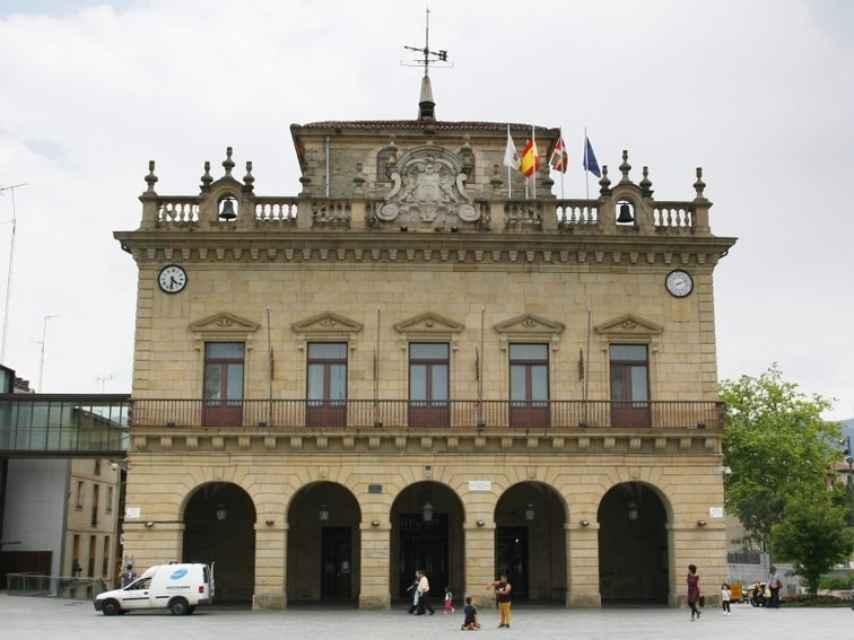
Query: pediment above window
[428, 323]
[629, 325]
[327, 323]
[530, 323]
[224, 323]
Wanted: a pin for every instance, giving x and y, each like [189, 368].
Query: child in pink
[448, 607]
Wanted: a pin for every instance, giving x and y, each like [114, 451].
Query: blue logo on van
[180, 573]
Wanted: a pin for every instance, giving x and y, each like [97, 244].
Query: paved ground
[31, 618]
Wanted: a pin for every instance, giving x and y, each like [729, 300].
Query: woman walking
[693, 581]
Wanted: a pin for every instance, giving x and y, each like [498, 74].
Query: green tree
[814, 533]
[776, 445]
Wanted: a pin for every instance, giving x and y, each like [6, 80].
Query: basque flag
[590, 163]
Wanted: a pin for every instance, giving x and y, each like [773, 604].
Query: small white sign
[480, 485]
[716, 512]
[133, 513]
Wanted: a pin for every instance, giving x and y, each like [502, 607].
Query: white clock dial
[679, 283]
[172, 279]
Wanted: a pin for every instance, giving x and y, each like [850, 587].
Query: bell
[625, 214]
[227, 214]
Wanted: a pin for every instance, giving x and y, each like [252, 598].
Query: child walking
[470, 622]
[448, 607]
[726, 598]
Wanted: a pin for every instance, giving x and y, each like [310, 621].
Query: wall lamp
[701, 523]
[269, 523]
[375, 523]
[149, 524]
[585, 523]
[480, 523]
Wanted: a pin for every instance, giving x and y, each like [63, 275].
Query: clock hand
[172, 281]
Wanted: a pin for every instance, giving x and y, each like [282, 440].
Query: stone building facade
[403, 368]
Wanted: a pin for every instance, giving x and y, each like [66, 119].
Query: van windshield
[139, 584]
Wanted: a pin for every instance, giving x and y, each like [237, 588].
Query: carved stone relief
[428, 189]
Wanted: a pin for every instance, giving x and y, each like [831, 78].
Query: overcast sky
[758, 93]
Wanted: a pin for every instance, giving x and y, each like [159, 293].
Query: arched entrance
[530, 541]
[323, 545]
[219, 529]
[427, 533]
[633, 549]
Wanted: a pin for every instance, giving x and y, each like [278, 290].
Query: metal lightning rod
[428, 56]
[10, 189]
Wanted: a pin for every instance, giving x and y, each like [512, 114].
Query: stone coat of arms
[428, 188]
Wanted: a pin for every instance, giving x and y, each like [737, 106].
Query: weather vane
[428, 56]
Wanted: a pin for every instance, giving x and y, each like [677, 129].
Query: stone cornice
[576, 442]
[355, 247]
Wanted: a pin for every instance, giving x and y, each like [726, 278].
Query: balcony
[454, 415]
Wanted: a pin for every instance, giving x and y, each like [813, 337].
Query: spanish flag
[528, 165]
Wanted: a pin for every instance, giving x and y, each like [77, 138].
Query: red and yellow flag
[528, 164]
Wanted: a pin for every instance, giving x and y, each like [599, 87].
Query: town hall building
[403, 368]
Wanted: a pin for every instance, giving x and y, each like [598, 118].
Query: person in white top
[726, 597]
[424, 595]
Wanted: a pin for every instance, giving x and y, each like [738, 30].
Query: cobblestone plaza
[30, 618]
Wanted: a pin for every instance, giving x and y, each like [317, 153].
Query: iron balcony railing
[453, 414]
[64, 425]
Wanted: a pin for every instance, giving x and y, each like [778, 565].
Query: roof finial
[206, 178]
[228, 163]
[625, 167]
[150, 179]
[700, 186]
[605, 182]
[646, 184]
[248, 179]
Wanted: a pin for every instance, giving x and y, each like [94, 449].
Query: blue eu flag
[590, 163]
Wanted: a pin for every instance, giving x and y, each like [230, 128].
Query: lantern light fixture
[530, 513]
[221, 512]
[324, 513]
[632, 510]
[427, 512]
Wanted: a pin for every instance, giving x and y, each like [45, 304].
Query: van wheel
[111, 608]
[179, 607]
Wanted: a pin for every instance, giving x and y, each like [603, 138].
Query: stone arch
[313, 474]
[649, 477]
[427, 533]
[324, 543]
[635, 543]
[530, 540]
[219, 529]
[200, 476]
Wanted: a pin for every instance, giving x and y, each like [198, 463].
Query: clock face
[172, 279]
[679, 283]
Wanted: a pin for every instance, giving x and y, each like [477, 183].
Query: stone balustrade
[623, 208]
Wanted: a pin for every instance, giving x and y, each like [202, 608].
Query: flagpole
[509, 181]
[534, 174]
[586, 172]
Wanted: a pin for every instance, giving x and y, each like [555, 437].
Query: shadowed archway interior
[530, 542]
[633, 548]
[219, 529]
[324, 545]
[427, 533]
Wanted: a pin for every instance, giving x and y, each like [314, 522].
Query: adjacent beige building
[403, 367]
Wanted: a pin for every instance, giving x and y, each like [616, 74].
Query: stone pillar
[160, 543]
[271, 548]
[480, 562]
[375, 566]
[582, 571]
[703, 546]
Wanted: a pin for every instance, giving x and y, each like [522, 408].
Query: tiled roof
[438, 125]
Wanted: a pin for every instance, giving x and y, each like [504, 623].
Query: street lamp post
[43, 342]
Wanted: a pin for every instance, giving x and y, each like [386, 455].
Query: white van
[177, 587]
